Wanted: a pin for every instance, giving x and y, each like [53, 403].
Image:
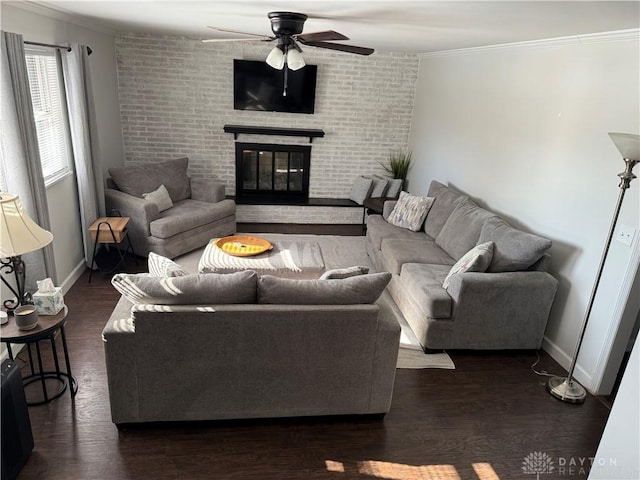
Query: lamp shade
[628, 144]
[294, 59]
[275, 58]
[19, 234]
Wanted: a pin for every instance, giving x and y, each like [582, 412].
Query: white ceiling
[418, 26]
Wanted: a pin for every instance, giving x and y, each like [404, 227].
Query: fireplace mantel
[288, 132]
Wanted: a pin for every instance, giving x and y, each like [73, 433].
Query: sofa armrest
[388, 208]
[141, 212]
[510, 308]
[207, 191]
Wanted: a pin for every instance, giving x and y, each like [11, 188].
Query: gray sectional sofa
[505, 307]
[231, 346]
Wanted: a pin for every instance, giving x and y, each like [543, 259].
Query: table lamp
[19, 234]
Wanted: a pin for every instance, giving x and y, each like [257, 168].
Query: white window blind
[49, 112]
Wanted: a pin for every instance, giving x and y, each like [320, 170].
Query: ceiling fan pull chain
[286, 70]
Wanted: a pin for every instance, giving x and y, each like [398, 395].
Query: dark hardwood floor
[478, 421]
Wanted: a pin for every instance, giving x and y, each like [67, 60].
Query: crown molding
[40, 8]
[591, 38]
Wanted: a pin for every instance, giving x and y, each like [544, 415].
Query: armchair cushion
[187, 215]
[139, 179]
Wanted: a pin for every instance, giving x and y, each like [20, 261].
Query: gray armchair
[199, 210]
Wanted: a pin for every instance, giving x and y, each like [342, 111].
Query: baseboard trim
[560, 356]
[75, 274]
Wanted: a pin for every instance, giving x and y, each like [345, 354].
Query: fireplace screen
[272, 171]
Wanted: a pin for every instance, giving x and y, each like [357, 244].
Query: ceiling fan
[287, 30]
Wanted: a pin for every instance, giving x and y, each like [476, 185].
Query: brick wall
[176, 94]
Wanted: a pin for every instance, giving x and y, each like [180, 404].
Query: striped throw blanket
[285, 257]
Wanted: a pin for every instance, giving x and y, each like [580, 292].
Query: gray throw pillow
[410, 211]
[340, 273]
[514, 250]
[138, 179]
[379, 188]
[361, 289]
[360, 189]
[394, 188]
[160, 266]
[160, 197]
[475, 260]
[202, 289]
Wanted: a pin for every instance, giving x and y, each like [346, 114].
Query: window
[49, 109]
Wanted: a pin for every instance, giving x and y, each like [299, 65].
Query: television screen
[257, 86]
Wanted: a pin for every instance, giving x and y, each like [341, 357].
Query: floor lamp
[567, 389]
[19, 234]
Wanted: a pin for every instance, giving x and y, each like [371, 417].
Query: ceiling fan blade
[320, 36]
[342, 47]
[228, 30]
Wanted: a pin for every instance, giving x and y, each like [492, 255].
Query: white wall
[36, 25]
[523, 129]
[618, 454]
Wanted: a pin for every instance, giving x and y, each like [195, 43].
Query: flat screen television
[257, 86]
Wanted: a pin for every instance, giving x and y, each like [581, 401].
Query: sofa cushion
[187, 215]
[397, 252]
[160, 197]
[360, 189]
[199, 289]
[361, 289]
[410, 211]
[340, 273]
[138, 179]
[394, 188]
[446, 199]
[423, 284]
[514, 249]
[475, 260]
[378, 229]
[160, 266]
[462, 229]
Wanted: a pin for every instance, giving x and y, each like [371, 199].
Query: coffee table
[294, 259]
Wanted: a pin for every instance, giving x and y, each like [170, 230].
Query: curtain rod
[61, 47]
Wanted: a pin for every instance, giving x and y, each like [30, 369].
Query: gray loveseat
[506, 307]
[198, 211]
[252, 353]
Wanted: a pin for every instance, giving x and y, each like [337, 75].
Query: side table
[47, 327]
[109, 230]
[372, 205]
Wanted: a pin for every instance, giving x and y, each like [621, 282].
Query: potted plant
[399, 164]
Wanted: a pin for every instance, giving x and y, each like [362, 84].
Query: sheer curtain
[84, 139]
[20, 156]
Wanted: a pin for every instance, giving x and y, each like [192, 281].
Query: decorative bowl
[243, 245]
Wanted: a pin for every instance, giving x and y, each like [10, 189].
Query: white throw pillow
[339, 273]
[410, 211]
[160, 197]
[160, 266]
[475, 260]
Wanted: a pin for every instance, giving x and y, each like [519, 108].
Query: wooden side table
[110, 230]
[46, 328]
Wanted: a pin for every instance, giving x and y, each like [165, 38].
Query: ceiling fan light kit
[287, 30]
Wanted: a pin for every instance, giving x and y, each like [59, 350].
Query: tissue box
[49, 303]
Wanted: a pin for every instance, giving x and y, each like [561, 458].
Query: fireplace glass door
[273, 172]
